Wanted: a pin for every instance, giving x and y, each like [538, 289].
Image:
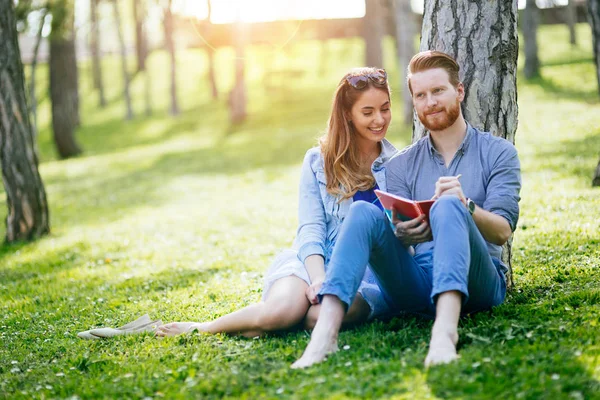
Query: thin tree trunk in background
[141, 45]
[482, 36]
[571, 19]
[405, 34]
[63, 96]
[596, 180]
[28, 216]
[117, 16]
[594, 20]
[32, 96]
[372, 33]
[147, 92]
[210, 51]
[95, 52]
[529, 26]
[237, 97]
[170, 43]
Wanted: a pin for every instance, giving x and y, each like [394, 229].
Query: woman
[347, 167]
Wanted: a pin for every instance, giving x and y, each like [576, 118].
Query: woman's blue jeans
[458, 259]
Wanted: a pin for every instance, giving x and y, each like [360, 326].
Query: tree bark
[95, 52]
[405, 34]
[64, 80]
[27, 217]
[594, 19]
[64, 96]
[124, 71]
[571, 19]
[237, 97]
[373, 32]
[482, 36]
[141, 45]
[596, 180]
[529, 27]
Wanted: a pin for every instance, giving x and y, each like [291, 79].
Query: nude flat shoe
[141, 321]
[112, 332]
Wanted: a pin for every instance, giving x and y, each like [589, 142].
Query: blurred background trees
[140, 46]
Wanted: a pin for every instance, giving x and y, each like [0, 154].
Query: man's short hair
[431, 59]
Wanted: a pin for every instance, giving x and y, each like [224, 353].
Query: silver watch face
[471, 206]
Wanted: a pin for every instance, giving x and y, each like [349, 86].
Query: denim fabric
[490, 175]
[319, 213]
[320, 216]
[459, 260]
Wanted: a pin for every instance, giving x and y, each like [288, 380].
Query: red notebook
[406, 209]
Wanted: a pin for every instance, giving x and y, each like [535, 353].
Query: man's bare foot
[319, 347]
[178, 328]
[442, 348]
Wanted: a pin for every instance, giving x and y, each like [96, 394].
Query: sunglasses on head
[379, 78]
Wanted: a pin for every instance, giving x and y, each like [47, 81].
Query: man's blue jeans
[458, 260]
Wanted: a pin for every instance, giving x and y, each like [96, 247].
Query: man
[456, 267]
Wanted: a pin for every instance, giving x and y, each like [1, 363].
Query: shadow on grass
[549, 86]
[575, 157]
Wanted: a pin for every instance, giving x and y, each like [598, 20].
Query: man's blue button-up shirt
[490, 169]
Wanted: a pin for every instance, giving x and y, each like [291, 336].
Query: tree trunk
[237, 97]
[210, 51]
[482, 36]
[27, 217]
[141, 45]
[373, 32]
[64, 90]
[170, 43]
[95, 51]
[147, 92]
[529, 26]
[64, 96]
[32, 96]
[571, 19]
[117, 16]
[594, 19]
[596, 180]
[405, 35]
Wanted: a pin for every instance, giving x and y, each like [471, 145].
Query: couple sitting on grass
[349, 263]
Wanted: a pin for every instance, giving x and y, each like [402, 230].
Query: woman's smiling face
[371, 115]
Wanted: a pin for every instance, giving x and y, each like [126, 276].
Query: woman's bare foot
[178, 328]
[320, 346]
[442, 348]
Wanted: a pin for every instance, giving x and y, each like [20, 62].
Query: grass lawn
[181, 217]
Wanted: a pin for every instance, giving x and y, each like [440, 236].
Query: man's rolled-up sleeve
[504, 185]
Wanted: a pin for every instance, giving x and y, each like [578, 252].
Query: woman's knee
[280, 316]
[364, 213]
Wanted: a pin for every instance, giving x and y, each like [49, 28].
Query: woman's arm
[312, 225]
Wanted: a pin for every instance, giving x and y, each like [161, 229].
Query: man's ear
[460, 88]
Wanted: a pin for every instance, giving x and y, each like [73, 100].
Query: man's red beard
[442, 121]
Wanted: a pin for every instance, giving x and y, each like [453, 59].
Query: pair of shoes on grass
[140, 325]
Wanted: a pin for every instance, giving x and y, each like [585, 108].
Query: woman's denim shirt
[319, 213]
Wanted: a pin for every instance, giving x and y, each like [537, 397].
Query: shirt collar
[387, 151]
[463, 146]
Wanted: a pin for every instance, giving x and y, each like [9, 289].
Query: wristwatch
[470, 206]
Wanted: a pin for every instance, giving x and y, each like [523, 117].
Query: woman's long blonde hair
[344, 172]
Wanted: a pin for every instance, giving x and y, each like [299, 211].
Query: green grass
[180, 218]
